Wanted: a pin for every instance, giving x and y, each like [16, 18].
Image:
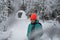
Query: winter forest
[15, 18]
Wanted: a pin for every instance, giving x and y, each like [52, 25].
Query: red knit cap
[33, 16]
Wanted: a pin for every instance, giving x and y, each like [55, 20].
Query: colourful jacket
[37, 26]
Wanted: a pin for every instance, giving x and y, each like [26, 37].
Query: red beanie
[33, 16]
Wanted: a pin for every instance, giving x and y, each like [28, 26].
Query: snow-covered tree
[10, 7]
[52, 7]
[23, 7]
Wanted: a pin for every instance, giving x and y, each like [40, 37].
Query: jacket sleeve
[40, 25]
[28, 30]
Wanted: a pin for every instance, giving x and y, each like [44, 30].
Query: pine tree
[10, 7]
[52, 7]
[23, 7]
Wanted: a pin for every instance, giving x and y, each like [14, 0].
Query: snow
[23, 14]
[20, 26]
[49, 27]
[5, 35]
[19, 30]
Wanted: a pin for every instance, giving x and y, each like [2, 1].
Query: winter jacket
[32, 27]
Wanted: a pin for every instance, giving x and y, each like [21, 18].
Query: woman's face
[32, 21]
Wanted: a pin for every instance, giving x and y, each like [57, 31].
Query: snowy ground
[20, 26]
[19, 30]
